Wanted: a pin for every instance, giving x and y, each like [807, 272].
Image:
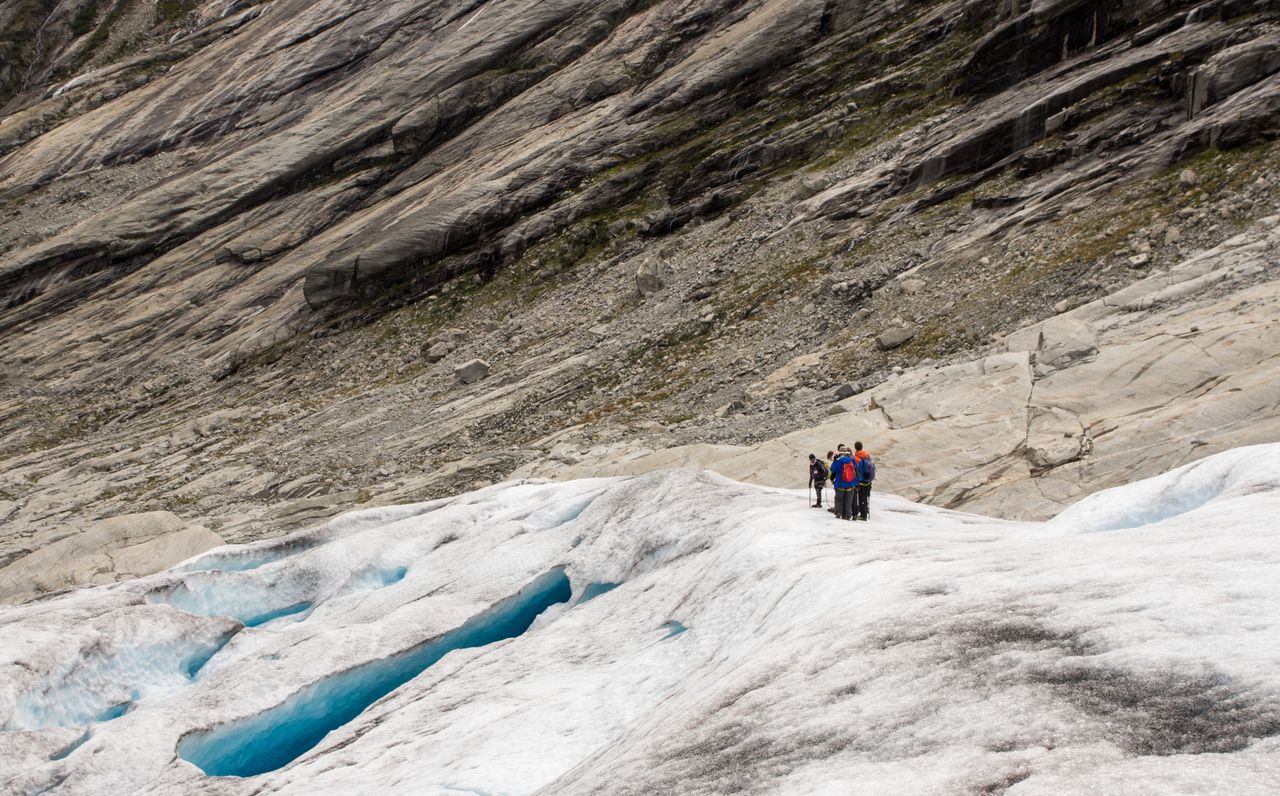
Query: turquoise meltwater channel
[278, 736]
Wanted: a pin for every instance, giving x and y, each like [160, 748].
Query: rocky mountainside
[246, 250]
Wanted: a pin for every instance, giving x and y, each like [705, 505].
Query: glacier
[678, 632]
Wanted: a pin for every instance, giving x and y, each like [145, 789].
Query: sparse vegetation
[82, 22]
[173, 10]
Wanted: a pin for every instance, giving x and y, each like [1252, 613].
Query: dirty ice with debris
[678, 633]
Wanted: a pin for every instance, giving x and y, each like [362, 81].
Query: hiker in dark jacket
[844, 476]
[831, 476]
[817, 478]
[866, 470]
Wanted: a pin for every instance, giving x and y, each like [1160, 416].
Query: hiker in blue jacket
[844, 475]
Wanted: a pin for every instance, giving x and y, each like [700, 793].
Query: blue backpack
[867, 470]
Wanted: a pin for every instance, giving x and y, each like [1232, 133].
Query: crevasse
[278, 736]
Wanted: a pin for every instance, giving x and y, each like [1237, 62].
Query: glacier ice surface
[108, 680]
[746, 642]
[242, 558]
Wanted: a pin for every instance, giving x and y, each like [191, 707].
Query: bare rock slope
[247, 250]
[1172, 368]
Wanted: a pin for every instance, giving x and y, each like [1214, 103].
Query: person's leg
[846, 503]
[864, 500]
[853, 503]
[818, 491]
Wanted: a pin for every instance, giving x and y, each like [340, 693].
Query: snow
[679, 633]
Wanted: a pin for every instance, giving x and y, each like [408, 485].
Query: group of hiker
[851, 473]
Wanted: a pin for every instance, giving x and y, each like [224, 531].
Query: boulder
[733, 407]
[1056, 122]
[802, 394]
[1064, 342]
[437, 352]
[649, 278]
[893, 338]
[1069, 303]
[813, 184]
[472, 371]
[1054, 437]
[846, 390]
[912, 285]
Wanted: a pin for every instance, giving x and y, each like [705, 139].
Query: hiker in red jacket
[866, 472]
